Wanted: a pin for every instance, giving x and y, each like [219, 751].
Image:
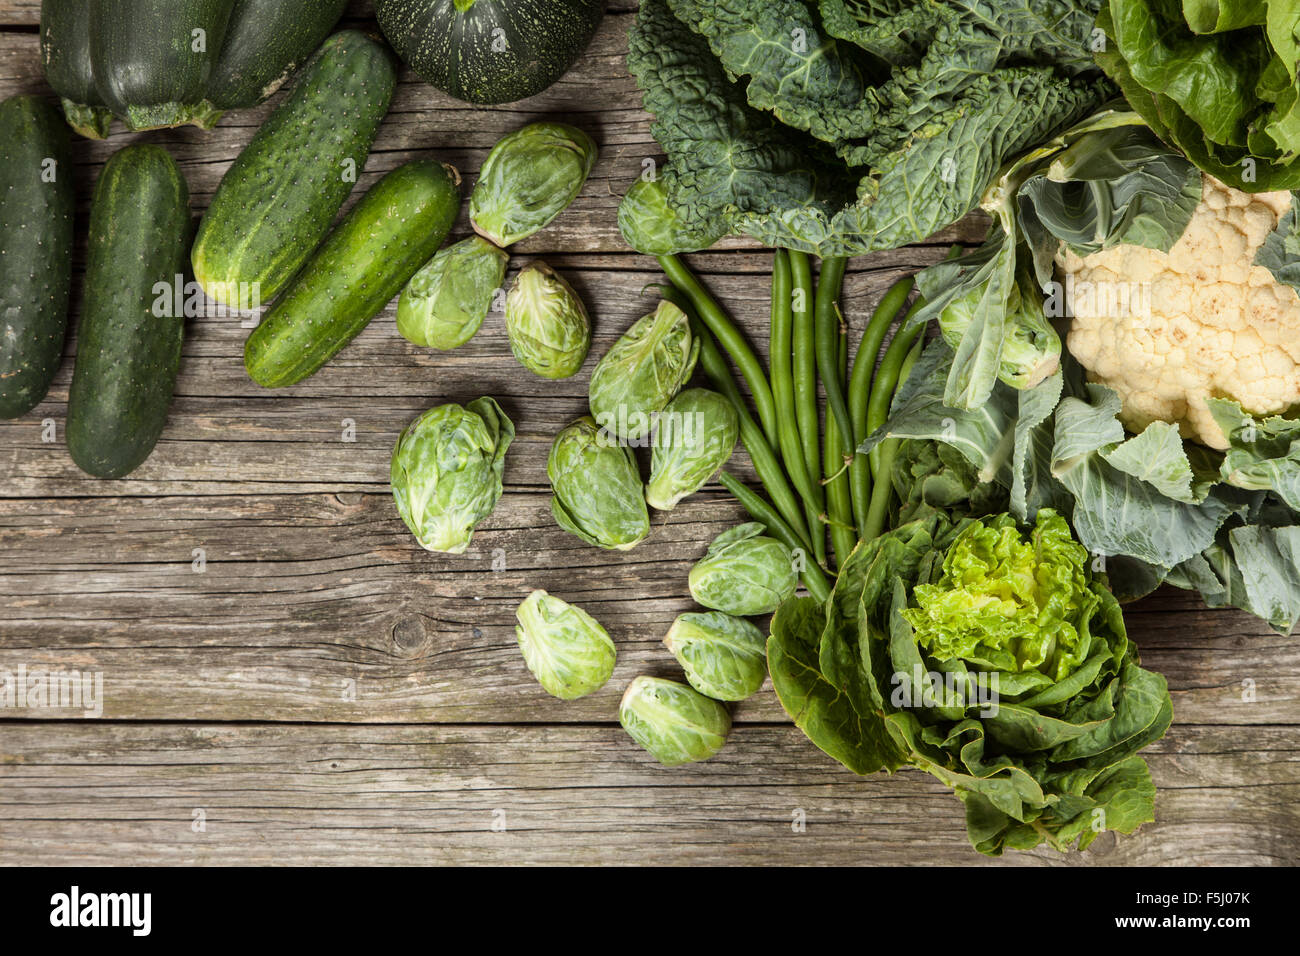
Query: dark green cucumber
[277, 201]
[128, 347]
[396, 228]
[65, 55]
[37, 200]
[266, 41]
[153, 58]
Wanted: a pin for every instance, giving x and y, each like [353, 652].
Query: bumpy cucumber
[37, 200]
[128, 348]
[398, 225]
[277, 201]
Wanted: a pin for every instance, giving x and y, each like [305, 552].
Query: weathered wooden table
[288, 678]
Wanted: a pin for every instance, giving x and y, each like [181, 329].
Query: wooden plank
[413, 795]
[302, 594]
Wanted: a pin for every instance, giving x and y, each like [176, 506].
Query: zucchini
[266, 42]
[147, 61]
[490, 51]
[278, 200]
[37, 201]
[65, 56]
[129, 347]
[153, 58]
[394, 230]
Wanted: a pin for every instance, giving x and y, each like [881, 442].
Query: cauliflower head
[1170, 330]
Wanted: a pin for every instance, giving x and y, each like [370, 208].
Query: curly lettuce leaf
[1217, 82]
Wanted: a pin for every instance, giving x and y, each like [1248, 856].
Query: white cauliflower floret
[1169, 330]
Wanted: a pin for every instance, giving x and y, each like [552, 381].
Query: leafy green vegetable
[695, 436]
[445, 303]
[1104, 181]
[822, 127]
[598, 494]
[1008, 675]
[1150, 506]
[674, 723]
[651, 225]
[568, 652]
[744, 573]
[547, 322]
[1216, 79]
[447, 472]
[643, 371]
[1280, 253]
[723, 656]
[528, 179]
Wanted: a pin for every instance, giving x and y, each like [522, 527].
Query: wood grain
[329, 693]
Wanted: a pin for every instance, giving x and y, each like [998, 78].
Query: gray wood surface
[323, 691]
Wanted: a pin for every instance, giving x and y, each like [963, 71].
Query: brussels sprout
[674, 723]
[744, 573]
[547, 323]
[696, 434]
[567, 651]
[724, 657]
[529, 178]
[651, 226]
[447, 470]
[445, 303]
[642, 372]
[598, 493]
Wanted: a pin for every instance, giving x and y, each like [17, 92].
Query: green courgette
[266, 41]
[398, 225]
[37, 202]
[277, 201]
[490, 51]
[129, 340]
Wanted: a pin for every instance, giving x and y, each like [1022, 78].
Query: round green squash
[490, 51]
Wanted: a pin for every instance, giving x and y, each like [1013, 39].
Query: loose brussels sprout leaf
[598, 493]
[445, 303]
[447, 469]
[568, 652]
[529, 178]
[674, 723]
[694, 437]
[651, 225]
[724, 657]
[642, 372]
[744, 573]
[547, 322]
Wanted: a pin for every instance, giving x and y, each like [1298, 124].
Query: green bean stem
[804, 369]
[827, 323]
[813, 579]
[783, 394]
[864, 367]
[839, 510]
[730, 338]
[884, 454]
[887, 381]
[765, 461]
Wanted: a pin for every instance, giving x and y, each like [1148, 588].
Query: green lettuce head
[744, 573]
[993, 659]
[447, 472]
[724, 657]
[598, 492]
[651, 225]
[568, 652]
[547, 322]
[445, 303]
[695, 436]
[674, 723]
[528, 179]
[643, 371]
